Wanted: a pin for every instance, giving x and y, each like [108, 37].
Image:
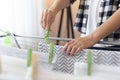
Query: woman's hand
[47, 18]
[79, 44]
[48, 15]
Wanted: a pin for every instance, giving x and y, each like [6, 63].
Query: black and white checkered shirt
[107, 8]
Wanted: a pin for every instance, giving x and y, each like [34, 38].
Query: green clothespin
[51, 53]
[7, 40]
[46, 38]
[29, 57]
[89, 62]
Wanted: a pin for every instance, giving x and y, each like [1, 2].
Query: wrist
[54, 11]
[96, 37]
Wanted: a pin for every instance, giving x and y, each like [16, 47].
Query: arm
[110, 25]
[58, 5]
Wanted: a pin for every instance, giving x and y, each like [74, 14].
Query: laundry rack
[100, 55]
[24, 42]
[64, 63]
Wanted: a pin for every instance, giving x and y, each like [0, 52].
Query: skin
[48, 15]
[102, 31]
[81, 43]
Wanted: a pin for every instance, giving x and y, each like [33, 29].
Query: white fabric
[21, 16]
[92, 16]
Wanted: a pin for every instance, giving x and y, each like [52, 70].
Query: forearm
[110, 25]
[58, 5]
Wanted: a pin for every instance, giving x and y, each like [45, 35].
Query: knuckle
[70, 46]
[67, 44]
[82, 46]
[48, 20]
[74, 47]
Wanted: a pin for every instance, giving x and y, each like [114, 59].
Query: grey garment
[106, 9]
[65, 63]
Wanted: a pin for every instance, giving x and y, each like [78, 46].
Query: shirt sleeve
[72, 1]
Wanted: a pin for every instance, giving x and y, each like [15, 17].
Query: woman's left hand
[79, 44]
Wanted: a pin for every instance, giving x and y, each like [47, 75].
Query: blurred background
[22, 17]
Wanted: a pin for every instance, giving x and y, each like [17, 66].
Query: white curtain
[21, 16]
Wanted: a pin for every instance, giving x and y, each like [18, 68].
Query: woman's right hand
[47, 18]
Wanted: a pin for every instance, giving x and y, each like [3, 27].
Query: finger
[67, 44]
[70, 47]
[79, 49]
[44, 18]
[74, 48]
[41, 21]
[49, 19]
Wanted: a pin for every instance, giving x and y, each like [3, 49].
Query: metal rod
[69, 39]
[14, 37]
[71, 22]
[116, 42]
[50, 38]
[110, 48]
[67, 25]
[60, 26]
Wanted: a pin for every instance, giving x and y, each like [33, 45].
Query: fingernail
[64, 48]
